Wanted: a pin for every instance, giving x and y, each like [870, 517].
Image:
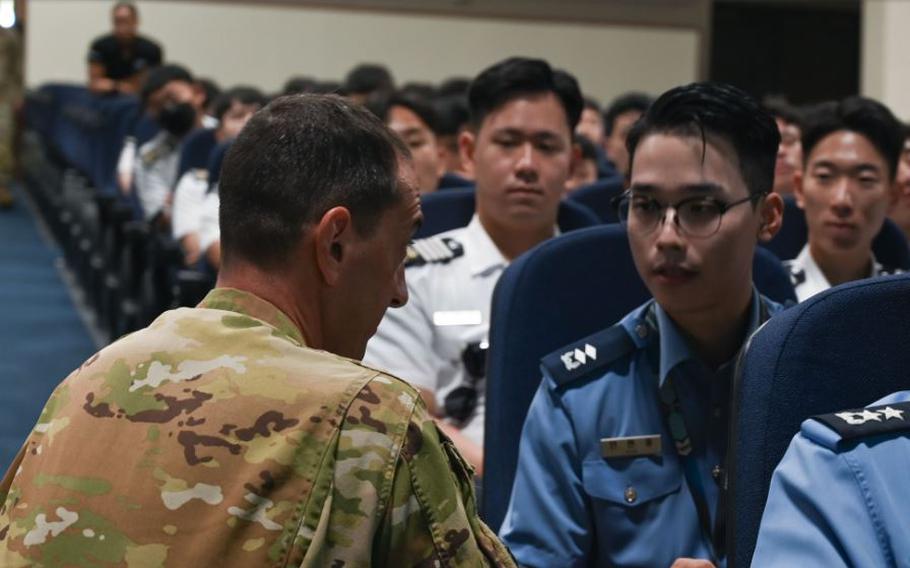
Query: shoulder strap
[433, 250]
[866, 422]
[585, 356]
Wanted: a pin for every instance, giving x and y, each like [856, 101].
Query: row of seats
[129, 272]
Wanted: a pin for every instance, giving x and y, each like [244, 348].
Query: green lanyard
[674, 420]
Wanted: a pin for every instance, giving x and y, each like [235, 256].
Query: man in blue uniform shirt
[839, 496]
[622, 455]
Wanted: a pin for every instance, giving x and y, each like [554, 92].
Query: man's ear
[575, 159]
[332, 237]
[772, 216]
[798, 178]
[467, 145]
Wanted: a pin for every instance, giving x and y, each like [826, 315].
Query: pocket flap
[631, 481]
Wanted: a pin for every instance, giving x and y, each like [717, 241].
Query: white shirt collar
[815, 279]
[485, 257]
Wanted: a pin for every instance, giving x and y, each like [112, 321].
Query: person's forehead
[670, 161]
[123, 13]
[402, 116]
[846, 146]
[529, 112]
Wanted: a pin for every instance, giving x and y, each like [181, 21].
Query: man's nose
[669, 234]
[400, 294]
[526, 167]
[842, 196]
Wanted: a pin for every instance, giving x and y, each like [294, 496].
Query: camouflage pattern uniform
[215, 437]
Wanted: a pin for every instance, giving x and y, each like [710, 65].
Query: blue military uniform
[840, 495]
[601, 480]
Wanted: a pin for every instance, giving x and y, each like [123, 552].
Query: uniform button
[641, 330]
[631, 494]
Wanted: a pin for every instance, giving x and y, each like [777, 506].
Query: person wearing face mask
[171, 90]
[232, 110]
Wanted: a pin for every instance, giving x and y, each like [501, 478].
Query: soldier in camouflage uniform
[245, 432]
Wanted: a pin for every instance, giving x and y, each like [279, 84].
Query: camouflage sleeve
[432, 514]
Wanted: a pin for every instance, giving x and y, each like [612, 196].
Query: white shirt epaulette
[433, 250]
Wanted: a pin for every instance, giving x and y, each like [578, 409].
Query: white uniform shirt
[188, 199]
[209, 230]
[807, 277]
[448, 309]
[156, 172]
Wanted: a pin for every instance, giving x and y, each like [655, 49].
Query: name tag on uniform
[630, 446]
[460, 317]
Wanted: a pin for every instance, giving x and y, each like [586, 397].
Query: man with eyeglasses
[622, 457]
[852, 151]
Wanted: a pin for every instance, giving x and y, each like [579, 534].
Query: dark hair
[241, 94]
[591, 104]
[294, 160]
[780, 108]
[297, 85]
[381, 106]
[714, 109]
[518, 76]
[454, 86]
[864, 116]
[588, 149]
[452, 114]
[212, 91]
[623, 104]
[159, 77]
[329, 88]
[129, 6]
[906, 131]
[368, 78]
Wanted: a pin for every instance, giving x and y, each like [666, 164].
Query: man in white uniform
[851, 150]
[520, 147]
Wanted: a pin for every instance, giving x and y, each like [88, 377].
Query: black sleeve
[96, 51]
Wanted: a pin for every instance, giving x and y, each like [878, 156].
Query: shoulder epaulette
[433, 250]
[155, 152]
[201, 174]
[588, 355]
[871, 421]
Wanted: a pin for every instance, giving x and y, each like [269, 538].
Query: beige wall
[886, 54]
[267, 43]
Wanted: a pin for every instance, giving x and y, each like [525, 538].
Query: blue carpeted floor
[42, 337]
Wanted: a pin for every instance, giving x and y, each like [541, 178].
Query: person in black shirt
[118, 61]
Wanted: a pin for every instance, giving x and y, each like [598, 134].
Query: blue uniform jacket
[570, 505]
[840, 495]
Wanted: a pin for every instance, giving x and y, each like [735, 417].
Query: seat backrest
[890, 245]
[445, 210]
[453, 208]
[195, 150]
[215, 160]
[561, 291]
[843, 348]
[598, 197]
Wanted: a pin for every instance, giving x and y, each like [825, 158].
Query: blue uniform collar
[674, 348]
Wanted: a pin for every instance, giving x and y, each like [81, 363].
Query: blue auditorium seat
[453, 208]
[563, 290]
[890, 245]
[195, 150]
[119, 114]
[598, 197]
[844, 348]
[216, 158]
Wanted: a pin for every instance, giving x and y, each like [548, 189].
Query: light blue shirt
[570, 505]
[837, 502]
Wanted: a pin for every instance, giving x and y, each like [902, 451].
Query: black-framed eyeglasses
[695, 216]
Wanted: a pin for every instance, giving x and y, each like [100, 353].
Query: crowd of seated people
[625, 442]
